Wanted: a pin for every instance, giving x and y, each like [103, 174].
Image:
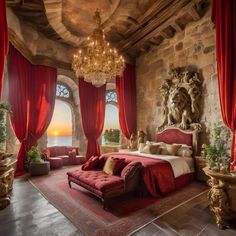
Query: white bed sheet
[180, 165]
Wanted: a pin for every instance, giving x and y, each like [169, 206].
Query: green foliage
[4, 108]
[112, 136]
[34, 155]
[219, 145]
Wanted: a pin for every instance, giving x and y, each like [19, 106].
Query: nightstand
[200, 163]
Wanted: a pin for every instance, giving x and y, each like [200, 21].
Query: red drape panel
[32, 91]
[126, 97]
[224, 17]
[3, 40]
[92, 107]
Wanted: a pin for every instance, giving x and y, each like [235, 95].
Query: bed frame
[175, 135]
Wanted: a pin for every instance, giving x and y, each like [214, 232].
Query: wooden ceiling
[133, 26]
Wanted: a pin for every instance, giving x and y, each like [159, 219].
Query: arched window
[63, 91]
[60, 129]
[111, 130]
[111, 97]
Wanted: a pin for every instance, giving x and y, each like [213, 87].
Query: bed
[162, 174]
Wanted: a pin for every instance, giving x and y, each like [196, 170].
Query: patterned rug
[125, 214]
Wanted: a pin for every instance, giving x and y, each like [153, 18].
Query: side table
[222, 196]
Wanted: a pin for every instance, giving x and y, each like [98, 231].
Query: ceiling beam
[150, 30]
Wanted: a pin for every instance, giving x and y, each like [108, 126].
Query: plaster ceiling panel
[77, 15]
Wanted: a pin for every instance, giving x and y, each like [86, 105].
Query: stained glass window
[63, 91]
[111, 96]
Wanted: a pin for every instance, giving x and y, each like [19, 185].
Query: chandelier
[98, 63]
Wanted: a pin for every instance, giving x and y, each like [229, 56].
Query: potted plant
[36, 165]
[218, 150]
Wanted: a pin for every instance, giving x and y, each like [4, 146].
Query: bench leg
[104, 202]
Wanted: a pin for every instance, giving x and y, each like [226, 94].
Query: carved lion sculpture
[179, 108]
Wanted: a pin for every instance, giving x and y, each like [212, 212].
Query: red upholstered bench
[107, 186]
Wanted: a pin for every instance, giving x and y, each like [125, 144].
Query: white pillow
[141, 146]
[185, 151]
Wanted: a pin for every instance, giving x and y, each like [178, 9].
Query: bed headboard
[176, 135]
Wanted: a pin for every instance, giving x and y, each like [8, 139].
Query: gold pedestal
[222, 196]
[6, 179]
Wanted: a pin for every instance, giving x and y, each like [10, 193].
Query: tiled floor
[191, 218]
[30, 214]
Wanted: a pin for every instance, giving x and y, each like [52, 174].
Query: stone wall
[192, 48]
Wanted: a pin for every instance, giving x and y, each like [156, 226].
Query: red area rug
[125, 214]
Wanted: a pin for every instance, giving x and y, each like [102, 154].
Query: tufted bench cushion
[106, 186]
[99, 180]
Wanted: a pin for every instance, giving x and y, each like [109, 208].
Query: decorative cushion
[120, 164]
[185, 151]
[128, 170]
[91, 163]
[109, 165]
[163, 150]
[141, 146]
[172, 149]
[72, 154]
[151, 149]
[72, 149]
[52, 151]
[61, 151]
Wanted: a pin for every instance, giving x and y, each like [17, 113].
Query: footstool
[78, 160]
[56, 162]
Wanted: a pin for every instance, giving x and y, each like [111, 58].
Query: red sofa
[106, 186]
[63, 155]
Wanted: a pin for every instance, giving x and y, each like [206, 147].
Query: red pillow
[72, 154]
[120, 163]
[91, 163]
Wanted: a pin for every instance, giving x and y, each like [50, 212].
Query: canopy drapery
[224, 17]
[32, 93]
[126, 97]
[92, 107]
[3, 40]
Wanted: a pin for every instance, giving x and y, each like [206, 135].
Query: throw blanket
[179, 164]
[157, 173]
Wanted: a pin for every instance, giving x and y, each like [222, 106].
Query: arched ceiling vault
[132, 26]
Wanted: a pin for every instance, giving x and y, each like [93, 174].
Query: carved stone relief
[180, 99]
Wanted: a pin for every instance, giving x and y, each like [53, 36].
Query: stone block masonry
[194, 48]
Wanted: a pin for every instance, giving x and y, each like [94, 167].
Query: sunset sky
[61, 124]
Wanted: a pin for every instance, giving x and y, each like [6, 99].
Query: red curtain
[3, 40]
[224, 17]
[92, 109]
[126, 97]
[32, 91]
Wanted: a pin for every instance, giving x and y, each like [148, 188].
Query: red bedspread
[157, 174]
